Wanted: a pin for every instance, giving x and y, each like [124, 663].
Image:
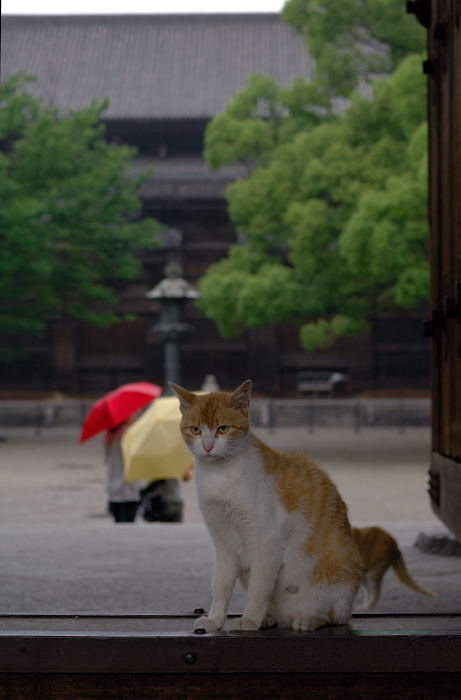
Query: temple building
[165, 77]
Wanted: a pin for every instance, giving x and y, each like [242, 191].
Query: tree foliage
[67, 233]
[333, 211]
[353, 41]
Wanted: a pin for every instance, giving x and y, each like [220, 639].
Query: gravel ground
[60, 552]
[381, 473]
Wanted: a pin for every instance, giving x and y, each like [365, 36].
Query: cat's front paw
[268, 621]
[307, 623]
[209, 624]
[245, 624]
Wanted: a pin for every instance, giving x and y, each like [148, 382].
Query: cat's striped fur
[276, 520]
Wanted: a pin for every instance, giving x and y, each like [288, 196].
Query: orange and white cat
[380, 551]
[276, 520]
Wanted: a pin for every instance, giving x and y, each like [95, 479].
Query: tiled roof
[185, 168]
[150, 66]
[189, 178]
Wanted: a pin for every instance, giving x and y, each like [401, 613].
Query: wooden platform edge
[372, 644]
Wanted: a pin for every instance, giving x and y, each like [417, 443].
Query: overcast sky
[58, 7]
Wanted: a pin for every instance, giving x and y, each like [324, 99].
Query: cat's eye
[222, 429]
[194, 429]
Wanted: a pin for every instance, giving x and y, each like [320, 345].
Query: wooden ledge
[165, 644]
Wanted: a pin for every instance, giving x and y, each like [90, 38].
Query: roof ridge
[180, 16]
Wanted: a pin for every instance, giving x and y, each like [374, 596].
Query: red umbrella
[116, 406]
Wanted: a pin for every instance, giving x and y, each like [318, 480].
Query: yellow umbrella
[153, 447]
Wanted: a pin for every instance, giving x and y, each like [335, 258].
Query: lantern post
[172, 293]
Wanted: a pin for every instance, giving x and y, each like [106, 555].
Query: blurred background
[277, 159]
[204, 195]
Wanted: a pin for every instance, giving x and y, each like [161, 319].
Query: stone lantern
[172, 294]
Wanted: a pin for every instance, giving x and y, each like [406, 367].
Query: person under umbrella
[124, 498]
[114, 413]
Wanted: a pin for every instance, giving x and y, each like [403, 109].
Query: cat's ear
[186, 398]
[240, 399]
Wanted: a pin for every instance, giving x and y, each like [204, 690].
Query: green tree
[332, 213]
[68, 232]
[354, 41]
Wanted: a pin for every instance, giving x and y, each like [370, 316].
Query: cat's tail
[403, 574]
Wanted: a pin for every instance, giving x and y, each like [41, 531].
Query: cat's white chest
[226, 481]
[231, 496]
[241, 469]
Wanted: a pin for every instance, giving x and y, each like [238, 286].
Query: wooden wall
[443, 68]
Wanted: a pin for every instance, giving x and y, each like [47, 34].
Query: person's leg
[115, 509]
[172, 506]
[128, 511]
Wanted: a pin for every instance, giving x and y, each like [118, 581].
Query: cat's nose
[207, 445]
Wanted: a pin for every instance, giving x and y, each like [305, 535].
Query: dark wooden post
[443, 69]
